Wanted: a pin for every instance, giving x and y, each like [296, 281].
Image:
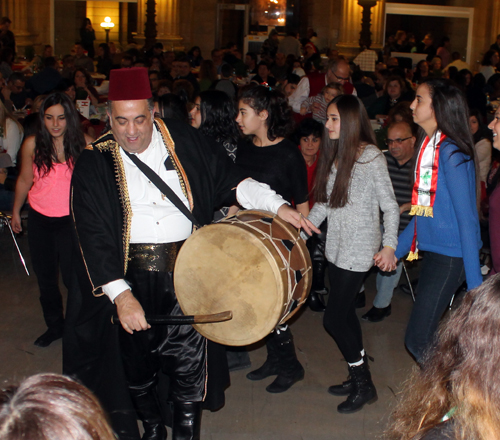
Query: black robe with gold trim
[101, 213]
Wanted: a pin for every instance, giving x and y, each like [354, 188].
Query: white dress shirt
[156, 220]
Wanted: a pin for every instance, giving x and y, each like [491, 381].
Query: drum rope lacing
[287, 268]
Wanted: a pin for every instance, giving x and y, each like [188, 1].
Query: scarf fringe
[422, 211]
[412, 256]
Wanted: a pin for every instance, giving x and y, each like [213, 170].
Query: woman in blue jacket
[445, 223]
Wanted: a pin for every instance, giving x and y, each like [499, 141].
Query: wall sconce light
[107, 24]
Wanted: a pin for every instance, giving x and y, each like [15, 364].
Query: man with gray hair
[338, 71]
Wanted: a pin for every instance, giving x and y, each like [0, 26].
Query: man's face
[132, 124]
[183, 68]
[248, 60]
[174, 72]
[79, 50]
[16, 86]
[280, 59]
[263, 71]
[401, 142]
[5, 26]
[217, 57]
[340, 75]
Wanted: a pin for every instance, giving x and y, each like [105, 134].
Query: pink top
[49, 194]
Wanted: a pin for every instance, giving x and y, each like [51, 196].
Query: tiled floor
[305, 412]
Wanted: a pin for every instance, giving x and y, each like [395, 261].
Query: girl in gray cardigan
[352, 187]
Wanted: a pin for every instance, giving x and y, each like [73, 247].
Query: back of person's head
[279, 115]
[218, 116]
[292, 78]
[50, 62]
[459, 371]
[451, 112]
[402, 112]
[184, 89]
[226, 71]
[51, 407]
[172, 106]
[208, 70]
[455, 56]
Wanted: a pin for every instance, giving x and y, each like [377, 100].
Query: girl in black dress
[265, 117]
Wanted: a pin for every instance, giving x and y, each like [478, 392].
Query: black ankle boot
[271, 366]
[290, 369]
[187, 421]
[345, 388]
[315, 302]
[148, 410]
[363, 390]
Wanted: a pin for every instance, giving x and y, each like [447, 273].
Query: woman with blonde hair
[455, 395]
[52, 407]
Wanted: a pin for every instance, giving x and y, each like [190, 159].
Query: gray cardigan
[354, 235]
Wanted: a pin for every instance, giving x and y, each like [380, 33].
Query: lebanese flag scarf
[424, 188]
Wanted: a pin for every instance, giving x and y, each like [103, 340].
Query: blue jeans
[440, 277]
[386, 283]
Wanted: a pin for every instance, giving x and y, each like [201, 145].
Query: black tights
[340, 319]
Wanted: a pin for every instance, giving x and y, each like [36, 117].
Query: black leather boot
[315, 302]
[345, 388]
[187, 421]
[148, 410]
[363, 390]
[290, 369]
[271, 366]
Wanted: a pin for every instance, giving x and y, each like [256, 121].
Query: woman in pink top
[47, 161]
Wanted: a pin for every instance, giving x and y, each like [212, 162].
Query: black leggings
[51, 247]
[340, 319]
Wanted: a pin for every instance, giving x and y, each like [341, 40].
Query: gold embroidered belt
[153, 257]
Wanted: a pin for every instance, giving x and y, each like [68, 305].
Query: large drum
[254, 264]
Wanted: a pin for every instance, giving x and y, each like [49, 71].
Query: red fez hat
[129, 84]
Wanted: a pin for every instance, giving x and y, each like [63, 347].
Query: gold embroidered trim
[169, 143]
[422, 211]
[112, 146]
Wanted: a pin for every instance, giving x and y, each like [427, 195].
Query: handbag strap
[163, 187]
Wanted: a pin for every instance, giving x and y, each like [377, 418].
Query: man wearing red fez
[129, 235]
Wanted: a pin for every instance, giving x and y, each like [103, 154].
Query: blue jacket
[454, 229]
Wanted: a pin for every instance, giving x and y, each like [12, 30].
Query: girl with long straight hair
[445, 223]
[352, 187]
[47, 162]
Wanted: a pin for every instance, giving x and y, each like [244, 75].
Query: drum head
[224, 267]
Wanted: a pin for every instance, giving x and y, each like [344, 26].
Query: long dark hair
[355, 131]
[74, 140]
[451, 113]
[218, 117]
[459, 371]
[279, 121]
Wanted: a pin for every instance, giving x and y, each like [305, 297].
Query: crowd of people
[282, 130]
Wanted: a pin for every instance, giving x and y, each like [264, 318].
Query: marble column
[167, 23]
[17, 11]
[351, 13]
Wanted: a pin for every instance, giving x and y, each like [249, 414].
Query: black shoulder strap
[163, 187]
